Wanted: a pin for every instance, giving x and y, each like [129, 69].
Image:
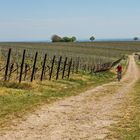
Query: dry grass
[18, 99]
[128, 126]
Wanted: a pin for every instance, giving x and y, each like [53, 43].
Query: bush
[56, 38]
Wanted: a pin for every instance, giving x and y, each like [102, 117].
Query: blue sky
[39, 19]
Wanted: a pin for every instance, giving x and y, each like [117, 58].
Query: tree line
[56, 38]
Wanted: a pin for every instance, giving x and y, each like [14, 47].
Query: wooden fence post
[139, 57]
[22, 64]
[88, 67]
[52, 68]
[77, 65]
[7, 64]
[69, 70]
[58, 68]
[43, 67]
[64, 68]
[33, 71]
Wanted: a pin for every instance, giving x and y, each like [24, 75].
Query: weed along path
[86, 116]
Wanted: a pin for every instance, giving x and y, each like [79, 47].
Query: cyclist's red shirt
[119, 69]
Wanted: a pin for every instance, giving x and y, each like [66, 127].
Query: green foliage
[73, 39]
[66, 39]
[136, 38]
[56, 38]
[92, 38]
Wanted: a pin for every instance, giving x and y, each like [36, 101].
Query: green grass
[18, 99]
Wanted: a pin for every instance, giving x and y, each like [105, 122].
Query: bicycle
[119, 76]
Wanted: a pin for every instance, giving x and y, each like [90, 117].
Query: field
[61, 58]
[98, 52]
[17, 99]
[86, 51]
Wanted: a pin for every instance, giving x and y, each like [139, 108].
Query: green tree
[136, 38]
[56, 38]
[73, 39]
[92, 38]
[66, 39]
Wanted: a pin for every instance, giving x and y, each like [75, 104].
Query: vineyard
[26, 63]
[69, 70]
[64, 69]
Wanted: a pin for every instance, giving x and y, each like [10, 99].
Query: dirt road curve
[86, 116]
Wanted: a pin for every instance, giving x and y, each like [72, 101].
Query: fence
[43, 67]
[138, 56]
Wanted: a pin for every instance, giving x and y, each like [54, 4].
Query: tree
[136, 38]
[73, 39]
[56, 38]
[66, 39]
[92, 38]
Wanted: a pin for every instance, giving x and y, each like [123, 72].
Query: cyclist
[119, 72]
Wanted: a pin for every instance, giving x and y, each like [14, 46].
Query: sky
[38, 20]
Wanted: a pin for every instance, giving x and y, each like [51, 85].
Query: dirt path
[86, 116]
